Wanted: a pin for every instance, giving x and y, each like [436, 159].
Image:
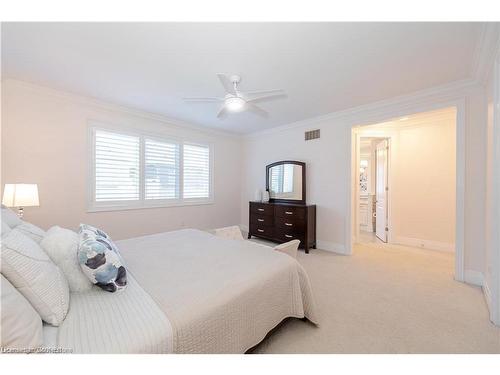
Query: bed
[188, 292]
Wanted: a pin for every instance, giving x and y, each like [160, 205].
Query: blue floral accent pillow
[100, 259]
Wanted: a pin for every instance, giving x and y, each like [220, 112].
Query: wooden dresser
[283, 222]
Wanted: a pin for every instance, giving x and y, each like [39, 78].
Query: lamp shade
[20, 195]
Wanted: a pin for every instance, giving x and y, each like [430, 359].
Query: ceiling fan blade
[257, 110]
[222, 112]
[266, 96]
[228, 85]
[202, 99]
[262, 92]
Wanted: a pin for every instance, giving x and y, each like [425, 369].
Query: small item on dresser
[258, 195]
[265, 196]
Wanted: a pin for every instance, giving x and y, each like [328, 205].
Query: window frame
[142, 203]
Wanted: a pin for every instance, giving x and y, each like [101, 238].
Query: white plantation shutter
[139, 171]
[117, 163]
[161, 163]
[196, 163]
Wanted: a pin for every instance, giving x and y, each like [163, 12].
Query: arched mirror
[286, 181]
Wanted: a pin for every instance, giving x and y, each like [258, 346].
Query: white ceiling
[324, 67]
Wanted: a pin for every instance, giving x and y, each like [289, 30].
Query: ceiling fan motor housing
[235, 79]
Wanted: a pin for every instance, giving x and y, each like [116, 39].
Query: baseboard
[331, 246]
[487, 294]
[474, 277]
[424, 244]
[243, 227]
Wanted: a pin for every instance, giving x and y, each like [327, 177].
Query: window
[161, 170]
[116, 167]
[137, 171]
[196, 171]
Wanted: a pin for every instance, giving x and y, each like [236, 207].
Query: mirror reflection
[285, 181]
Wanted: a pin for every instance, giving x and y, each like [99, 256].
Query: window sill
[106, 208]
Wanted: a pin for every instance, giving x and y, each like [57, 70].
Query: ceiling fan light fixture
[234, 104]
[236, 100]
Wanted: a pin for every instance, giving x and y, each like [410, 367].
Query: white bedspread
[220, 296]
[123, 322]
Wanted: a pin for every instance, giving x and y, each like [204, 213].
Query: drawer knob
[260, 209]
[260, 219]
[288, 224]
[289, 212]
[260, 230]
[288, 236]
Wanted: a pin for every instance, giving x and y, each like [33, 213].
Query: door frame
[460, 107]
[495, 209]
[386, 146]
[388, 135]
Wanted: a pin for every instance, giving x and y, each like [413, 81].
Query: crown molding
[362, 114]
[421, 120]
[487, 50]
[112, 107]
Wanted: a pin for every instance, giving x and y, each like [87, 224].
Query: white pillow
[32, 231]
[36, 277]
[5, 228]
[10, 217]
[62, 246]
[21, 324]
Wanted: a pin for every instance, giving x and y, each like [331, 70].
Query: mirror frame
[297, 201]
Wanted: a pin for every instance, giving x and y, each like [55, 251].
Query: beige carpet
[387, 299]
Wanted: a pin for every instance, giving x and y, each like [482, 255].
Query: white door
[381, 190]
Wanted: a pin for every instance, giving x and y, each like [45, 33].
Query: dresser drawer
[262, 220]
[285, 236]
[261, 230]
[297, 230]
[290, 222]
[290, 212]
[262, 208]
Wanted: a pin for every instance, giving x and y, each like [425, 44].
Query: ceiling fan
[236, 100]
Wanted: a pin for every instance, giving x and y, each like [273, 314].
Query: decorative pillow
[32, 231]
[10, 217]
[100, 260]
[61, 245]
[21, 324]
[36, 277]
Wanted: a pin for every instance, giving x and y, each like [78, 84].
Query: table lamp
[20, 196]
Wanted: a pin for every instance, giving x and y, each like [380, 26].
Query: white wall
[328, 163]
[44, 141]
[326, 174]
[424, 183]
[492, 261]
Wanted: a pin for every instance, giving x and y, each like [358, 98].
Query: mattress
[219, 295]
[102, 322]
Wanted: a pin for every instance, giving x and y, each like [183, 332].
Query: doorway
[406, 193]
[373, 209]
